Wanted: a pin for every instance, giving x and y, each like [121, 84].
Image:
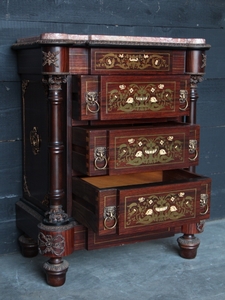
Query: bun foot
[28, 246]
[188, 246]
[55, 270]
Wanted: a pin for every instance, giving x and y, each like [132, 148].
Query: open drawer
[130, 149]
[130, 97]
[140, 202]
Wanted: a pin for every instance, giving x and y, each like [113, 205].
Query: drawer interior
[102, 182]
[140, 201]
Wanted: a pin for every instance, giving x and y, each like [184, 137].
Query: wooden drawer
[117, 150]
[130, 97]
[136, 61]
[133, 203]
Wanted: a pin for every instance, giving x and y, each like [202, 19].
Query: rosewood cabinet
[110, 144]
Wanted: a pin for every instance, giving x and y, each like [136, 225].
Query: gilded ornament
[50, 58]
[51, 244]
[203, 61]
[35, 140]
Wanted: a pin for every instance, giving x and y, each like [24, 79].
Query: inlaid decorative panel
[143, 96]
[137, 61]
[148, 148]
[142, 209]
[132, 60]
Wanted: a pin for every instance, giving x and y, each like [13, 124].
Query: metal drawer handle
[193, 149]
[100, 156]
[206, 210]
[92, 101]
[109, 215]
[184, 99]
[204, 203]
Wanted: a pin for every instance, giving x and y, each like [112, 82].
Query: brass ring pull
[110, 218]
[93, 111]
[183, 99]
[196, 155]
[205, 212]
[100, 159]
[186, 106]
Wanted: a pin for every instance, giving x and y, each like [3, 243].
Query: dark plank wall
[185, 18]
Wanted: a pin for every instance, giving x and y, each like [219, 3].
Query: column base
[188, 244]
[55, 270]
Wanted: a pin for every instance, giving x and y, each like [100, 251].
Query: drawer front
[150, 149]
[90, 151]
[86, 104]
[136, 61]
[144, 208]
[130, 97]
[144, 97]
[134, 149]
[177, 198]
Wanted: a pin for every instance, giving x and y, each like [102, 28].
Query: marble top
[76, 39]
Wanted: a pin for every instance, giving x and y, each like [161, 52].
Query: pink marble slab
[76, 39]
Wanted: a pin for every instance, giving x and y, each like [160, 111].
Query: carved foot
[56, 242]
[55, 270]
[28, 246]
[188, 245]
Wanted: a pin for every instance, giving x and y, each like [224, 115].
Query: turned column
[55, 238]
[195, 66]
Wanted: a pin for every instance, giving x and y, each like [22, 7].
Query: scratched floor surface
[150, 270]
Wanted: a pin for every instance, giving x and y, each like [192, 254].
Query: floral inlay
[140, 97]
[159, 208]
[133, 61]
[148, 150]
